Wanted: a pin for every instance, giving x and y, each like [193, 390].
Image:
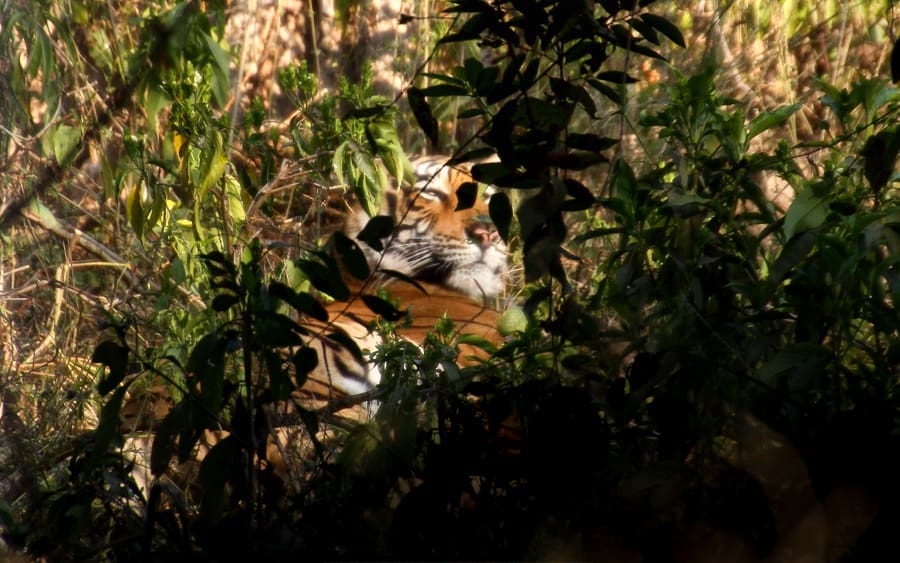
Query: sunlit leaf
[769, 119]
[807, 212]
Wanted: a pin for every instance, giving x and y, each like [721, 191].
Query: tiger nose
[484, 234]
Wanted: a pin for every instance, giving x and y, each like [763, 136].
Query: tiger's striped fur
[456, 257]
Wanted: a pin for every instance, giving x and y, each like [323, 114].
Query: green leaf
[769, 119]
[807, 212]
[234, 195]
[212, 165]
[513, 320]
[367, 185]
[392, 153]
[64, 139]
[115, 357]
[221, 70]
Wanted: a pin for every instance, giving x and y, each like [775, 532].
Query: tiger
[451, 262]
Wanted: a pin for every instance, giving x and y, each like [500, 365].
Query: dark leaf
[895, 61]
[115, 357]
[611, 93]
[582, 198]
[383, 308]
[274, 329]
[501, 214]
[221, 465]
[466, 194]
[575, 93]
[362, 113]
[497, 174]
[279, 383]
[376, 229]
[305, 360]
[211, 378]
[880, 155]
[665, 27]
[348, 343]
[203, 354]
[303, 303]
[486, 81]
[108, 426]
[616, 77]
[644, 29]
[165, 439]
[325, 277]
[423, 114]
[404, 278]
[224, 301]
[612, 7]
[442, 90]
[646, 51]
[351, 255]
[598, 233]
[590, 142]
[471, 30]
[794, 251]
[473, 155]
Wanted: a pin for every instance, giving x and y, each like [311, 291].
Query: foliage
[662, 292]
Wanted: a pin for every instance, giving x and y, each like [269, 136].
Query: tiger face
[433, 242]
